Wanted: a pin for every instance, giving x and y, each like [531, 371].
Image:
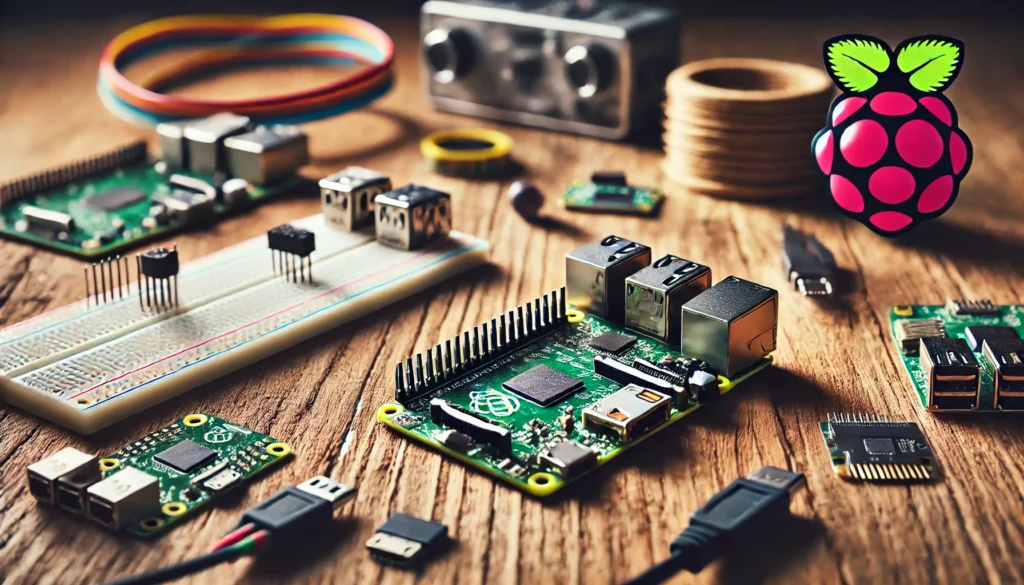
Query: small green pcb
[609, 198]
[971, 359]
[537, 398]
[195, 460]
[104, 205]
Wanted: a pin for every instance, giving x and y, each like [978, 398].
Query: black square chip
[186, 456]
[613, 342]
[543, 385]
[977, 334]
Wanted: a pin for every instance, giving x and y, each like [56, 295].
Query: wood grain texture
[321, 395]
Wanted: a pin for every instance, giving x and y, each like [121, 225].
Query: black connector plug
[294, 512]
[809, 265]
[749, 505]
[406, 541]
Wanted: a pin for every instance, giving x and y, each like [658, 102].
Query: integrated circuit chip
[186, 456]
[613, 342]
[978, 334]
[544, 385]
[870, 448]
[114, 198]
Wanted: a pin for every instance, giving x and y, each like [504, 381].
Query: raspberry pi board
[612, 199]
[170, 474]
[963, 356]
[86, 367]
[104, 204]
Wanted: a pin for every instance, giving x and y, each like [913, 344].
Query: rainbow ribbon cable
[235, 41]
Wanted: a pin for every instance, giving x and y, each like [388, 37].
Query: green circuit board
[237, 449]
[1011, 316]
[612, 198]
[98, 233]
[535, 428]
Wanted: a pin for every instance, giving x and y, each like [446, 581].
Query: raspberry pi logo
[891, 151]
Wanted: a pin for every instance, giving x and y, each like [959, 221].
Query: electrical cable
[234, 537]
[230, 42]
[251, 545]
[749, 505]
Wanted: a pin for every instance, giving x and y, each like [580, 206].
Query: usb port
[68, 462]
[630, 412]
[123, 498]
[1007, 359]
[952, 374]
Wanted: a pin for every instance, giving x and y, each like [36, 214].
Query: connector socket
[630, 413]
[204, 140]
[327, 489]
[173, 150]
[595, 275]
[1006, 356]
[412, 216]
[731, 326]
[952, 374]
[347, 196]
[68, 462]
[267, 154]
[655, 295]
[123, 498]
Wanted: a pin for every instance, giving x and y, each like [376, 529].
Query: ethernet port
[40, 488]
[101, 512]
[69, 498]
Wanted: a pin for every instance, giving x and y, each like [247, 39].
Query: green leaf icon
[932, 63]
[855, 61]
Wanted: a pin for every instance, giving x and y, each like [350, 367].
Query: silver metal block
[348, 195]
[204, 140]
[412, 216]
[267, 154]
[595, 275]
[655, 295]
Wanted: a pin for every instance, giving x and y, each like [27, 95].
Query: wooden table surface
[321, 395]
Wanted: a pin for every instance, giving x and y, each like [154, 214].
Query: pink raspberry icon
[891, 151]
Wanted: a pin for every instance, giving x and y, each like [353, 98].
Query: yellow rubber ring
[108, 464]
[279, 449]
[174, 508]
[195, 420]
[389, 410]
[574, 316]
[432, 147]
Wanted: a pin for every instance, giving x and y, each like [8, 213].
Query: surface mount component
[348, 195]
[731, 326]
[481, 430]
[204, 139]
[267, 154]
[153, 482]
[952, 374]
[655, 295]
[569, 458]
[910, 331]
[972, 360]
[609, 193]
[544, 385]
[412, 216]
[613, 342]
[595, 275]
[630, 413]
[290, 249]
[46, 220]
[406, 541]
[1006, 358]
[809, 265]
[867, 447]
[114, 198]
[233, 310]
[158, 278]
[968, 307]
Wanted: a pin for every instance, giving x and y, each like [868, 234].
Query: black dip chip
[978, 334]
[186, 457]
[114, 199]
[543, 385]
[613, 342]
[871, 448]
[883, 446]
[570, 459]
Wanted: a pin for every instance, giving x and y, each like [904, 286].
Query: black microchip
[543, 385]
[293, 240]
[877, 450]
[186, 457]
[570, 459]
[617, 178]
[978, 334]
[114, 198]
[613, 342]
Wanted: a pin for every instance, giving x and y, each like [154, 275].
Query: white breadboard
[88, 367]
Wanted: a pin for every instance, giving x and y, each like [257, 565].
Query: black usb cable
[809, 265]
[748, 505]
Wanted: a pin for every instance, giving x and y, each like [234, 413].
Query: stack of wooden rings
[742, 128]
